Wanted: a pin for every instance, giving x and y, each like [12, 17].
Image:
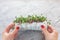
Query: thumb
[44, 30]
[14, 33]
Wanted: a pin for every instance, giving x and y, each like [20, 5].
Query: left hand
[7, 35]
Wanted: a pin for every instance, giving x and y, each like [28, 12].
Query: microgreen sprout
[30, 19]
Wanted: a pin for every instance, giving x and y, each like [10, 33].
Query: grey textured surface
[30, 35]
[11, 8]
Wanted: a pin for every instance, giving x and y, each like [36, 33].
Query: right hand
[50, 33]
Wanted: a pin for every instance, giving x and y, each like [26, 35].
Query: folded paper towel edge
[31, 26]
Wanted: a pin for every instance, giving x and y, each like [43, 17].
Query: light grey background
[11, 8]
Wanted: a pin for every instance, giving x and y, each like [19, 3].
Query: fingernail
[42, 26]
[17, 27]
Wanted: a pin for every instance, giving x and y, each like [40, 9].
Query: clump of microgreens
[30, 19]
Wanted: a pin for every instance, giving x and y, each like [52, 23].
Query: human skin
[50, 33]
[7, 35]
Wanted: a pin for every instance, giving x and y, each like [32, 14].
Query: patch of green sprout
[30, 19]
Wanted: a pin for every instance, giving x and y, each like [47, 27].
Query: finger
[44, 30]
[50, 29]
[14, 33]
[9, 27]
[53, 29]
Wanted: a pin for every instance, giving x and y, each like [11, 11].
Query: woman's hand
[50, 33]
[6, 35]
